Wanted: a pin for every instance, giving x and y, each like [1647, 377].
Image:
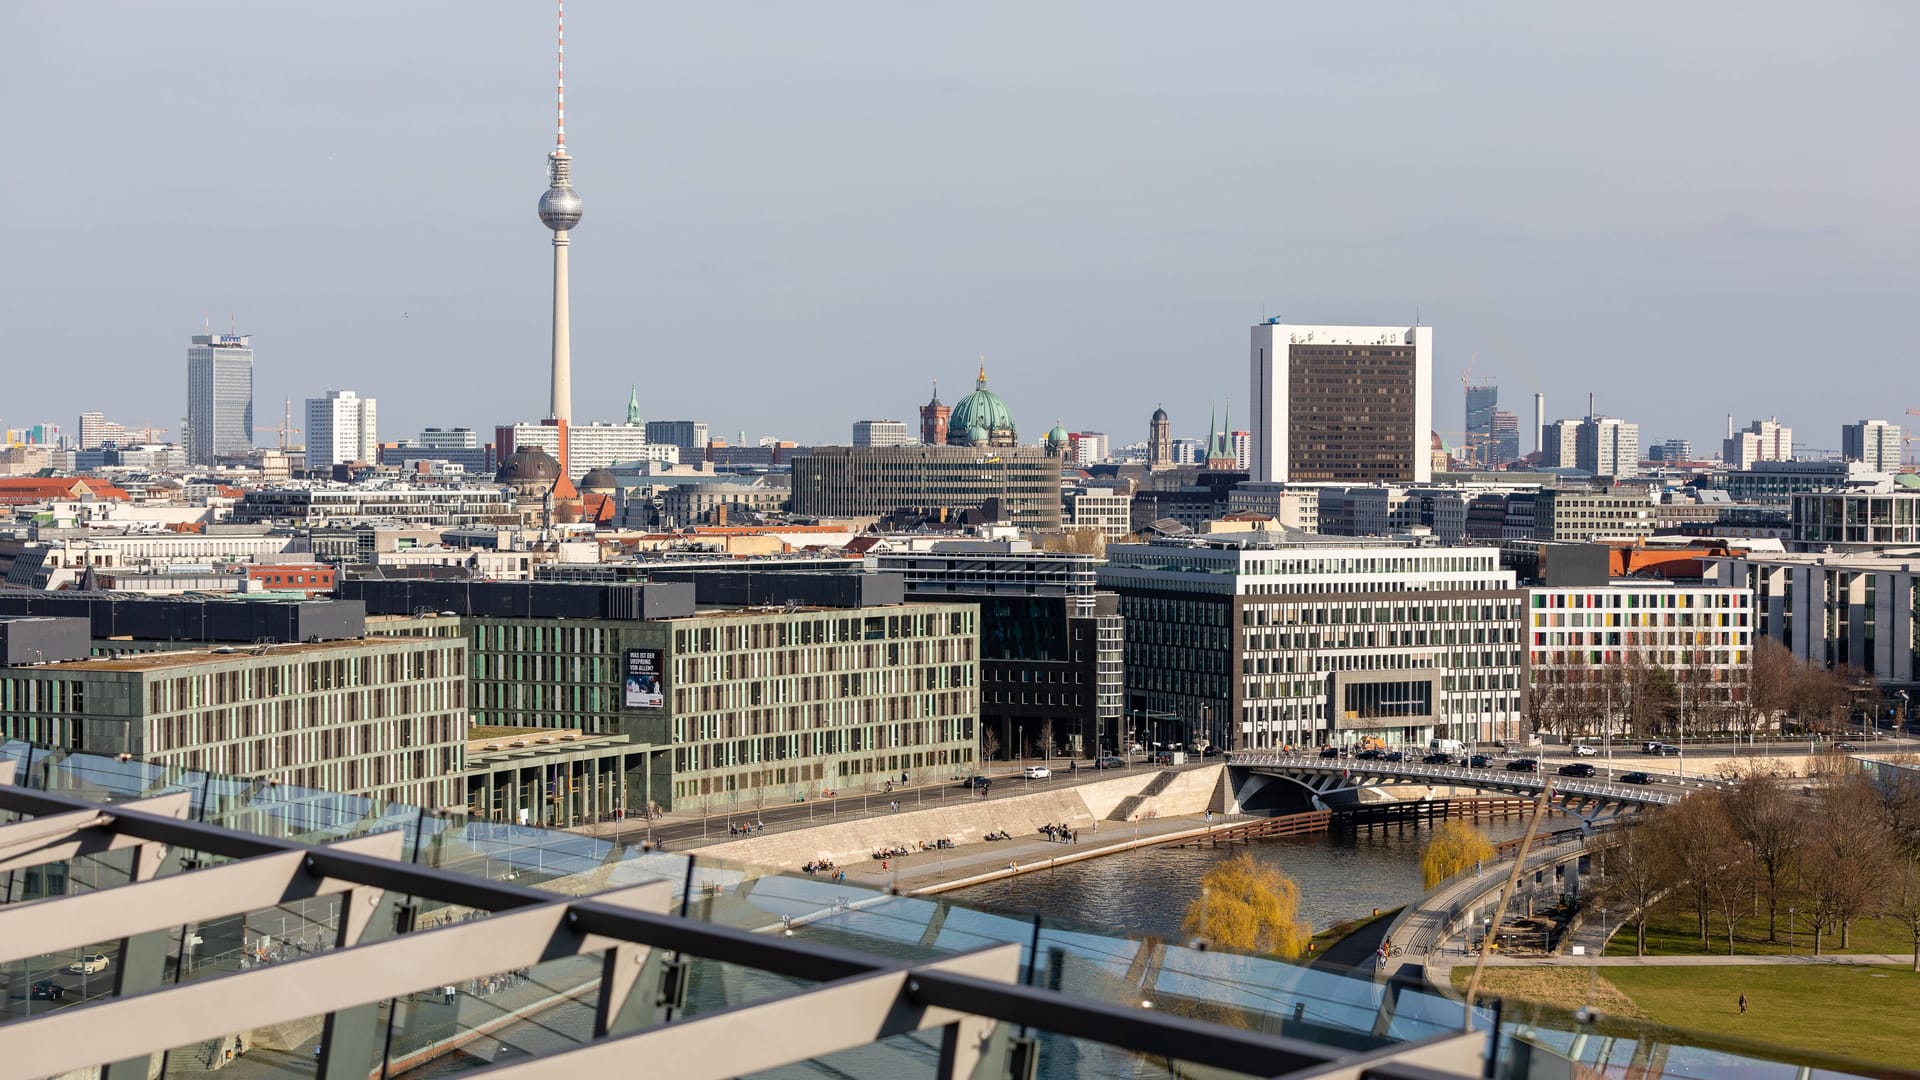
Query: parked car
[1578, 768]
[1637, 778]
[1523, 764]
[1581, 749]
[1329, 751]
[88, 964]
[1036, 772]
[1110, 762]
[1480, 761]
[1437, 758]
[48, 990]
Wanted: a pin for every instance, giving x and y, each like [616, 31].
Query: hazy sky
[802, 214]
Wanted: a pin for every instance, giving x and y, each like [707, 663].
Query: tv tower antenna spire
[560, 211]
[560, 72]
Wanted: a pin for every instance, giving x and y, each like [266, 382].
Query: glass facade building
[219, 397]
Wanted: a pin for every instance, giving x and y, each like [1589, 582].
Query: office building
[1605, 446]
[1775, 483]
[1855, 520]
[341, 429]
[321, 503]
[97, 431]
[942, 481]
[1763, 440]
[689, 435]
[1105, 510]
[1852, 609]
[1670, 451]
[1294, 506]
[458, 446]
[881, 433]
[1050, 643]
[1875, 443]
[1586, 643]
[1560, 444]
[1352, 404]
[1584, 515]
[1088, 447]
[1482, 401]
[589, 446]
[1503, 439]
[377, 718]
[219, 397]
[1272, 640]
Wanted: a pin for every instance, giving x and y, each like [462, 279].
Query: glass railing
[437, 1030]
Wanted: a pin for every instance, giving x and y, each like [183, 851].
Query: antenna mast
[560, 73]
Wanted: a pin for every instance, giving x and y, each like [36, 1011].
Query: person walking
[1743, 1004]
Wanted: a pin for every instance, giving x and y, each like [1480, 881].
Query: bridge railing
[1466, 777]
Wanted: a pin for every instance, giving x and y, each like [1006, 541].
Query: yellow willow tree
[1248, 906]
[1455, 846]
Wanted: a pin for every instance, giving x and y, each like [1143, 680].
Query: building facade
[379, 718]
[1254, 642]
[1583, 515]
[1855, 520]
[881, 433]
[342, 427]
[319, 503]
[1875, 443]
[1606, 446]
[1763, 440]
[1857, 610]
[837, 481]
[689, 435]
[1105, 510]
[1342, 403]
[219, 397]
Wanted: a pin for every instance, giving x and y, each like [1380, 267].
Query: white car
[88, 964]
[1583, 750]
[1037, 772]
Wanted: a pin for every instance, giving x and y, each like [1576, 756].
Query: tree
[1700, 850]
[989, 743]
[1765, 819]
[1455, 845]
[1770, 685]
[1631, 876]
[1903, 900]
[1849, 852]
[1249, 906]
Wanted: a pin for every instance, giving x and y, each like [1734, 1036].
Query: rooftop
[181, 658]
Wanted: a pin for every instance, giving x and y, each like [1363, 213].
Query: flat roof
[178, 658]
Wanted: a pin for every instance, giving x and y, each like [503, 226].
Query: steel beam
[341, 979]
[67, 836]
[176, 900]
[842, 1015]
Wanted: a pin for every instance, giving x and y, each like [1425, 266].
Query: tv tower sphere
[560, 207]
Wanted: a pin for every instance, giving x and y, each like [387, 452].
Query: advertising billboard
[644, 689]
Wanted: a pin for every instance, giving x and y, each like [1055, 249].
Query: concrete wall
[966, 821]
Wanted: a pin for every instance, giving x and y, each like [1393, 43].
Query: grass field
[1674, 931]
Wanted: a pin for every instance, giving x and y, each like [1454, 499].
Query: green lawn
[1866, 1014]
[1674, 931]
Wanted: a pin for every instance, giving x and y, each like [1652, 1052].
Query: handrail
[1529, 781]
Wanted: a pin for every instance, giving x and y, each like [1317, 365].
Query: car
[1329, 751]
[976, 782]
[48, 990]
[1437, 758]
[1110, 762]
[1524, 764]
[1480, 761]
[1578, 768]
[1846, 747]
[88, 964]
[1668, 749]
[1393, 755]
[1637, 778]
[1369, 755]
[1036, 772]
[1581, 749]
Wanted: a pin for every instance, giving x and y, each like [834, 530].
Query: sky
[799, 215]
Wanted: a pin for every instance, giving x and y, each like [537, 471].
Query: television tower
[560, 211]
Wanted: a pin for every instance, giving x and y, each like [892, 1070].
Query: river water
[1146, 891]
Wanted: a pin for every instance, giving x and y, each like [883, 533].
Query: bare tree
[1903, 901]
[1701, 852]
[1849, 852]
[1766, 821]
[989, 743]
[1771, 675]
[1632, 877]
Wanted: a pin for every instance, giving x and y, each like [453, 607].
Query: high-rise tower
[219, 396]
[560, 211]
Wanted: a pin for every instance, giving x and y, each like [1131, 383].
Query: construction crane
[286, 427]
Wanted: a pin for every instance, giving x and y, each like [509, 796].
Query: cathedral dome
[528, 464]
[600, 481]
[983, 409]
[1059, 438]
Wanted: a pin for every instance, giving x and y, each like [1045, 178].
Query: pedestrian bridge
[1591, 799]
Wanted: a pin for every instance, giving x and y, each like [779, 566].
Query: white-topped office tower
[1875, 442]
[219, 396]
[341, 429]
[1342, 403]
[560, 211]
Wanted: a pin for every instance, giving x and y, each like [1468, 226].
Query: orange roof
[596, 507]
[19, 489]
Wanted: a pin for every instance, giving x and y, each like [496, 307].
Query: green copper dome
[982, 410]
[1060, 436]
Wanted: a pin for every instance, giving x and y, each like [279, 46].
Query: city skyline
[1031, 195]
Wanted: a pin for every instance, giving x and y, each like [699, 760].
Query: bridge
[1591, 799]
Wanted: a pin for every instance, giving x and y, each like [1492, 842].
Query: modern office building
[1775, 483]
[1605, 446]
[341, 428]
[380, 718]
[1281, 639]
[689, 435]
[457, 446]
[1763, 440]
[1671, 450]
[839, 481]
[1352, 404]
[1575, 514]
[1050, 642]
[1560, 444]
[1849, 610]
[787, 685]
[1482, 402]
[219, 397]
[881, 433]
[1296, 506]
[1585, 640]
[1105, 510]
[1875, 443]
[1503, 438]
[1855, 520]
[1089, 447]
[97, 431]
[589, 446]
[320, 503]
